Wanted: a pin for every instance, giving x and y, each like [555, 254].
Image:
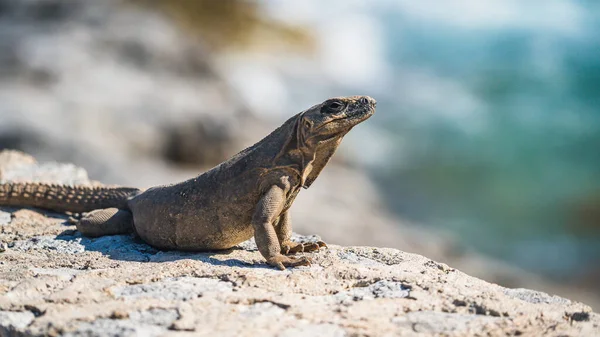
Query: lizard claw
[289, 247]
[301, 261]
[281, 261]
[285, 249]
[313, 246]
[279, 266]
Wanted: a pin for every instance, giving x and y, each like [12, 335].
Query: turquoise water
[506, 153]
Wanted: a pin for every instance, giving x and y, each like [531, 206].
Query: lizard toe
[311, 247]
[282, 261]
[290, 248]
[300, 261]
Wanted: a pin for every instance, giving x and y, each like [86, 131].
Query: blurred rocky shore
[124, 92]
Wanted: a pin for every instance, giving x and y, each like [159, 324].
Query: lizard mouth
[361, 110]
[362, 114]
[343, 124]
[355, 114]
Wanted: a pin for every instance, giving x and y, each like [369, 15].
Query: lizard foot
[290, 247]
[281, 261]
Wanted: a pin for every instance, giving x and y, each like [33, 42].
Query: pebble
[5, 218]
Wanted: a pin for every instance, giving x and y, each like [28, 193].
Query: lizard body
[247, 195]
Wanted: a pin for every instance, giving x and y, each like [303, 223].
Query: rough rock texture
[54, 281]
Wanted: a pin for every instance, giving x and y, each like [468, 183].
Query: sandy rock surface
[53, 281]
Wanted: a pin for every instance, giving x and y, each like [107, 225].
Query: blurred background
[484, 152]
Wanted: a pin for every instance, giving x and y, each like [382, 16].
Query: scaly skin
[62, 198]
[247, 195]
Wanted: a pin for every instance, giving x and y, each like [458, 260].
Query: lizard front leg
[267, 211]
[284, 233]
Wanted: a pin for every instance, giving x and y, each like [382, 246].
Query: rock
[11, 159]
[5, 218]
[202, 143]
[13, 321]
[535, 297]
[16, 166]
[53, 281]
[175, 289]
[89, 290]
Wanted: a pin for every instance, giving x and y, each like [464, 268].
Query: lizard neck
[298, 160]
[296, 153]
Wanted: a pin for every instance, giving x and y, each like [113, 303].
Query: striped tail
[64, 198]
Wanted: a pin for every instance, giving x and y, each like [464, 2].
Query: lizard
[248, 195]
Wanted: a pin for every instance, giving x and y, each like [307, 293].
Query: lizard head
[335, 117]
[321, 128]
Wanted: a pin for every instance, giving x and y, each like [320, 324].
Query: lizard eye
[332, 107]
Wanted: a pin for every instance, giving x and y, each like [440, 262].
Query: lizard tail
[64, 198]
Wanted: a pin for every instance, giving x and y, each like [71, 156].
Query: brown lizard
[247, 195]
